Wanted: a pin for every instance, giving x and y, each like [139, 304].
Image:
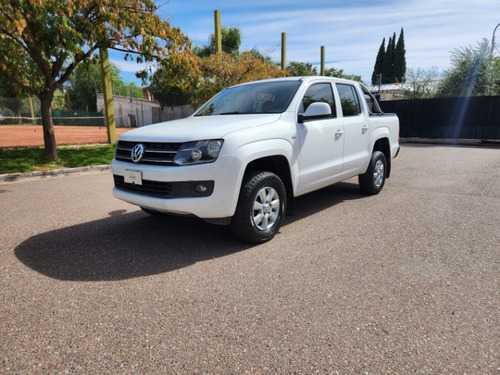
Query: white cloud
[350, 31]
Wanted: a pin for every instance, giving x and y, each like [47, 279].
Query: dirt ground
[32, 135]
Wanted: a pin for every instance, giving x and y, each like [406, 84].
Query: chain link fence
[21, 122]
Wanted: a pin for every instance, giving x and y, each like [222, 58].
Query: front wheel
[261, 208]
[372, 181]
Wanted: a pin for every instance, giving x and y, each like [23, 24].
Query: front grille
[156, 189]
[155, 153]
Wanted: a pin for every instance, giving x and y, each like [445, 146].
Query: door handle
[339, 132]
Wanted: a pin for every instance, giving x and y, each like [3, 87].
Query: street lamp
[493, 41]
[491, 54]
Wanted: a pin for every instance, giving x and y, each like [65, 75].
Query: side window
[319, 92]
[349, 100]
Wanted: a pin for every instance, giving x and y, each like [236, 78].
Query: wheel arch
[383, 145]
[279, 165]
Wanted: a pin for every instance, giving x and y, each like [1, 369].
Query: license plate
[133, 177]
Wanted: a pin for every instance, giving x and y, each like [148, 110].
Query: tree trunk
[49, 138]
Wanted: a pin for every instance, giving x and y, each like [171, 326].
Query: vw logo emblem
[137, 153]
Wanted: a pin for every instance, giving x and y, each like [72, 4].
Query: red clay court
[32, 135]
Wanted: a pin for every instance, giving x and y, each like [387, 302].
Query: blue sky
[351, 31]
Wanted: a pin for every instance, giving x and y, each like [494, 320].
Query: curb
[447, 141]
[10, 177]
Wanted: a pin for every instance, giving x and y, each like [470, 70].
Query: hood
[197, 128]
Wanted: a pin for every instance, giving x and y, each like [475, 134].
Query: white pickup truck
[246, 153]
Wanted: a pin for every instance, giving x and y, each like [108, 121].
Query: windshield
[258, 97]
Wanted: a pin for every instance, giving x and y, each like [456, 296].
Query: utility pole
[322, 68]
[218, 32]
[283, 52]
[109, 109]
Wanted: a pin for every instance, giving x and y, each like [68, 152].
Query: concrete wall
[134, 112]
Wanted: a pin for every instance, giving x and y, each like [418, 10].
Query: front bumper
[177, 187]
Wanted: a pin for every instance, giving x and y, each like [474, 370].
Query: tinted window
[349, 100]
[258, 97]
[319, 92]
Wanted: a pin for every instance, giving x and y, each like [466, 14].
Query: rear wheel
[372, 181]
[261, 208]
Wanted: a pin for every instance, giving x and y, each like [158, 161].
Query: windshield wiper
[231, 113]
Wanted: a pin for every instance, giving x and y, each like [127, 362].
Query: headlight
[198, 152]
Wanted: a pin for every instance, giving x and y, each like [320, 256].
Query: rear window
[349, 100]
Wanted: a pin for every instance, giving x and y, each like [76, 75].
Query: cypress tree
[400, 59]
[379, 62]
[387, 67]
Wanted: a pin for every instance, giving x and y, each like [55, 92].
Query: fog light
[200, 188]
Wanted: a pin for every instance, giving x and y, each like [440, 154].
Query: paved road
[406, 282]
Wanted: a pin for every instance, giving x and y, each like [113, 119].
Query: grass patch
[34, 159]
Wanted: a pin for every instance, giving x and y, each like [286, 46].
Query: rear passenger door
[321, 141]
[356, 129]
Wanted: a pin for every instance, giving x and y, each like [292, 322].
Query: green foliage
[300, 69]
[339, 73]
[399, 69]
[231, 41]
[87, 80]
[194, 76]
[391, 62]
[259, 55]
[379, 62]
[420, 83]
[388, 63]
[494, 77]
[470, 74]
[32, 159]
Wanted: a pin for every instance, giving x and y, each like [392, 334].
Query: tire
[372, 181]
[261, 208]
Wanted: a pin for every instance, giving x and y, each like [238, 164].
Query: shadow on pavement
[129, 245]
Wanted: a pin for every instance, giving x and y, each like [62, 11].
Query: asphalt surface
[405, 282]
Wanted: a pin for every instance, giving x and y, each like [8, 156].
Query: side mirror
[316, 111]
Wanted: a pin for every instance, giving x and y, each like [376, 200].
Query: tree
[470, 74]
[86, 81]
[379, 63]
[221, 70]
[194, 76]
[494, 77]
[9, 103]
[400, 59]
[299, 69]
[42, 42]
[231, 41]
[420, 83]
[391, 63]
[177, 78]
[339, 73]
[388, 65]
